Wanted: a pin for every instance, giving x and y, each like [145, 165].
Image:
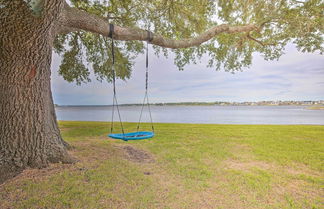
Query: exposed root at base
[9, 171]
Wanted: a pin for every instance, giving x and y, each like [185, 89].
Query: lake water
[198, 114]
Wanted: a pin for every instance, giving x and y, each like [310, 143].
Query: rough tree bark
[29, 134]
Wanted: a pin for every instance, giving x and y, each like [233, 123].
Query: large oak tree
[227, 31]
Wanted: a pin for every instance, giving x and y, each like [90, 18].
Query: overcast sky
[296, 76]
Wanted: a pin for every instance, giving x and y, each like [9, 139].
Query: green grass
[195, 166]
[316, 107]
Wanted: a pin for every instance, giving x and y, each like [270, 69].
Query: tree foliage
[279, 21]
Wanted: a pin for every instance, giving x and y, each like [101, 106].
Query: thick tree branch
[77, 19]
[61, 29]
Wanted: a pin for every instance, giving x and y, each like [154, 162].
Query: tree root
[9, 170]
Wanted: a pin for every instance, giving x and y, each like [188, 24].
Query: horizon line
[321, 100]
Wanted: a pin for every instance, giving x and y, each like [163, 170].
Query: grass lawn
[184, 166]
[316, 107]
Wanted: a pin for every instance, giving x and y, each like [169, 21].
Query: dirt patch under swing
[136, 155]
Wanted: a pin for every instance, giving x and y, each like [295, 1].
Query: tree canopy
[273, 24]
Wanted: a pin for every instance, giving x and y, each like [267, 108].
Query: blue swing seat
[133, 135]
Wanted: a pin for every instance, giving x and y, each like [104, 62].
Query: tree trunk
[29, 134]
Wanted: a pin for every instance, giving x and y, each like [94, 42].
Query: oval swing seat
[133, 135]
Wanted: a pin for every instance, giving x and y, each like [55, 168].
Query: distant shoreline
[313, 105]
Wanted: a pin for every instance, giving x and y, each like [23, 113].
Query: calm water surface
[199, 114]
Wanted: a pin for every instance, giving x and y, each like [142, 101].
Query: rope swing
[138, 134]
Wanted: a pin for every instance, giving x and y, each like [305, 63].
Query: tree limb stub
[74, 19]
[253, 39]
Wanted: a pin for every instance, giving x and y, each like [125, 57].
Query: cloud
[296, 76]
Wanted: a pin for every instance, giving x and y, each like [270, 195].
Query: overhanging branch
[77, 19]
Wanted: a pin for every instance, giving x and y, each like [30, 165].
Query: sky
[296, 76]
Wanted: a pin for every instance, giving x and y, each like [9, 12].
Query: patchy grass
[184, 166]
[316, 107]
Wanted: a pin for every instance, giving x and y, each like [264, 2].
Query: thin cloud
[296, 76]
